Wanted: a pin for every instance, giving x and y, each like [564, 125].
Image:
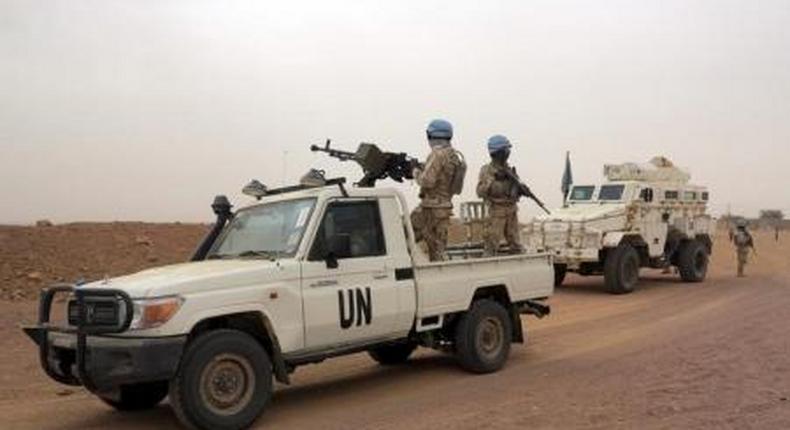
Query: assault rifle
[376, 164]
[522, 188]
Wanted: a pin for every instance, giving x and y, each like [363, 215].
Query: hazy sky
[144, 110]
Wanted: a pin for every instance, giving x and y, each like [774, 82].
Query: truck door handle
[379, 277]
[325, 283]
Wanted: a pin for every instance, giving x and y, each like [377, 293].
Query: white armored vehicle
[642, 216]
[306, 273]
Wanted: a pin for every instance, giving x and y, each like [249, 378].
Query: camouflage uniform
[431, 218]
[743, 241]
[501, 198]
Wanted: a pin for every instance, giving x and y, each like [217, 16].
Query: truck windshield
[611, 192]
[270, 231]
[582, 192]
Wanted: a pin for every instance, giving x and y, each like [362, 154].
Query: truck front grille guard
[40, 332]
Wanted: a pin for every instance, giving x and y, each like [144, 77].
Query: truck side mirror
[339, 247]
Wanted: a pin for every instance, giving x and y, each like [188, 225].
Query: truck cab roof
[325, 192]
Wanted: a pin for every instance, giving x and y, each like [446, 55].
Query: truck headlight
[150, 313]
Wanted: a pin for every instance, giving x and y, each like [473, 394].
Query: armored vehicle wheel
[621, 269]
[397, 353]
[693, 261]
[224, 381]
[483, 336]
[138, 397]
[560, 270]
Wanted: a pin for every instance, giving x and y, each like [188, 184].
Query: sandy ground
[714, 356]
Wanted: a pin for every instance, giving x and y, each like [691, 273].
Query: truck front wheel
[621, 269]
[137, 397]
[693, 261]
[396, 353]
[483, 336]
[224, 381]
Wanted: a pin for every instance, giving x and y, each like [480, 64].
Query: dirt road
[672, 355]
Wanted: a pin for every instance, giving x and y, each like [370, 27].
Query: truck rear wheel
[389, 355]
[559, 274]
[621, 269]
[137, 397]
[693, 261]
[224, 381]
[483, 336]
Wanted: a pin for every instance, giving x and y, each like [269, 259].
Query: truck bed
[448, 286]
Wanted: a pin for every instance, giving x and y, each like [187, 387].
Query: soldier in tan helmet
[501, 196]
[743, 241]
[440, 179]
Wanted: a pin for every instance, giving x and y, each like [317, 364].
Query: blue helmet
[497, 143]
[440, 129]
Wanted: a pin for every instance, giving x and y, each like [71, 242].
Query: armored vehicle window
[269, 230]
[671, 195]
[646, 194]
[690, 195]
[705, 196]
[611, 192]
[582, 192]
[357, 223]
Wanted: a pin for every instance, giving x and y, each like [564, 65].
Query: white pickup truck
[305, 273]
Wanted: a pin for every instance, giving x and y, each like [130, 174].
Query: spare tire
[392, 354]
[137, 397]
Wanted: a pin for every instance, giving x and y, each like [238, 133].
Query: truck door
[349, 289]
[650, 221]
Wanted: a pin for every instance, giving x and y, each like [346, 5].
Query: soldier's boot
[740, 269]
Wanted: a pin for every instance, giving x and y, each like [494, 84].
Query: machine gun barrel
[375, 163]
[523, 189]
[341, 155]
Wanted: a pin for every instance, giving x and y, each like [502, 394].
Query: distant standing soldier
[440, 178]
[501, 197]
[743, 241]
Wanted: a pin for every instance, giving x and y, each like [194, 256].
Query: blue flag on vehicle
[567, 177]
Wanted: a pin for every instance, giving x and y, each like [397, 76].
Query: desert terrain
[714, 355]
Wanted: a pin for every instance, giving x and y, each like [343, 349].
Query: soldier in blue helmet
[440, 179]
[500, 195]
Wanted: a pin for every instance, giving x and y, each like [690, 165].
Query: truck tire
[138, 397]
[392, 354]
[560, 270]
[621, 269]
[224, 381]
[693, 261]
[483, 336]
